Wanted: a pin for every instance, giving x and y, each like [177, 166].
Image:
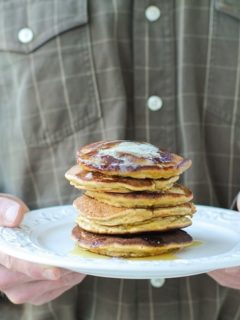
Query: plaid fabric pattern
[86, 76]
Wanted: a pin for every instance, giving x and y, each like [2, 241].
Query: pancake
[132, 206]
[82, 179]
[131, 159]
[141, 245]
[151, 225]
[176, 195]
[104, 214]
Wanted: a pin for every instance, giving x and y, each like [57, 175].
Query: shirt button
[154, 103]
[157, 283]
[152, 13]
[25, 35]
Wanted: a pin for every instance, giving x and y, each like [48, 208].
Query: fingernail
[50, 274]
[11, 214]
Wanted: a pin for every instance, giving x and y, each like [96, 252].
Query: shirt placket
[154, 72]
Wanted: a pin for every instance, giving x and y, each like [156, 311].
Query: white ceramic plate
[45, 237]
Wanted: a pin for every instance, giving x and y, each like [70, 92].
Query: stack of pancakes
[132, 206]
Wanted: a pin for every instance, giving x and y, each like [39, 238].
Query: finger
[32, 270]
[238, 201]
[28, 292]
[12, 210]
[233, 271]
[9, 279]
[53, 294]
[226, 279]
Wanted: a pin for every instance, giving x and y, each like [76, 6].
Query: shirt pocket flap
[230, 7]
[25, 27]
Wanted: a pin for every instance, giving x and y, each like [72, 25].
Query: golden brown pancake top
[88, 180]
[174, 196]
[94, 209]
[128, 158]
[83, 175]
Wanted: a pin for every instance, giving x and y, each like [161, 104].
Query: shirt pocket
[222, 105]
[47, 85]
[223, 63]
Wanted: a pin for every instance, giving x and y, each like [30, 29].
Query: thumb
[12, 210]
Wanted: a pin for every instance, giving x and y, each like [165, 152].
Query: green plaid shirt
[164, 71]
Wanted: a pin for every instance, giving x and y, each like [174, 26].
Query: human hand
[23, 281]
[229, 277]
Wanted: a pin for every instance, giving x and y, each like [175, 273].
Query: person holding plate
[165, 72]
